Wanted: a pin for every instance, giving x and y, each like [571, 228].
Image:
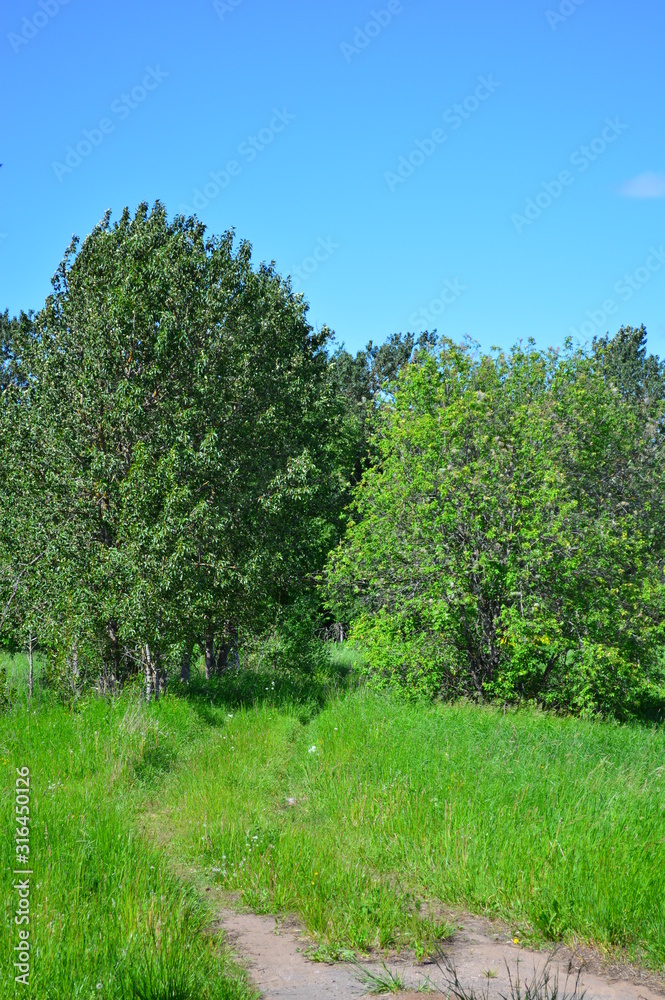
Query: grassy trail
[360, 814]
[357, 818]
[108, 918]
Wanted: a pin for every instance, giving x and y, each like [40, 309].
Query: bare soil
[272, 950]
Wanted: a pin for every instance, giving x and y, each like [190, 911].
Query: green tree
[24, 549]
[180, 426]
[624, 357]
[365, 379]
[508, 541]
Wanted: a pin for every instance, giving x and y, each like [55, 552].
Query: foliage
[626, 364]
[172, 470]
[365, 379]
[178, 449]
[508, 543]
[290, 646]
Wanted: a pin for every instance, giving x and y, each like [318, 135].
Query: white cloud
[649, 185]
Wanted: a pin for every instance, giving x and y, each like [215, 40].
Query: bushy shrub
[508, 542]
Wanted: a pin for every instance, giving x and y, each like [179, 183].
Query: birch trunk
[209, 656]
[160, 676]
[112, 629]
[149, 677]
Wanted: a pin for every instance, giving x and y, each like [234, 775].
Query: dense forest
[189, 467]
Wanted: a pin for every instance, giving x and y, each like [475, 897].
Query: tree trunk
[149, 676]
[223, 656]
[228, 651]
[160, 676]
[112, 629]
[30, 675]
[209, 656]
[186, 664]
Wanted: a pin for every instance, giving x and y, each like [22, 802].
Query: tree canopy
[184, 461]
[509, 540]
[172, 442]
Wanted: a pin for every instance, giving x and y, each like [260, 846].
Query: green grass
[555, 825]
[383, 981]
[14, 672]
[108, 917]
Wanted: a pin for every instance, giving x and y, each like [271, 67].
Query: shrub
[507, 543]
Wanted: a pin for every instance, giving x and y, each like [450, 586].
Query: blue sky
[494, 170]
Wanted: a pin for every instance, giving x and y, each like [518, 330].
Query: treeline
[187, 464]
[178, 446]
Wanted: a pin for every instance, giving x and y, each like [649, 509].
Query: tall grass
[108, 918]
[368, 817]
[14, 672]
[365, 816]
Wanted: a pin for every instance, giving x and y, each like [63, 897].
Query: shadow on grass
[304, 692]
[154, 763]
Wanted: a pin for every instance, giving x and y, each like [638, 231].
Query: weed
[543, 986]
[381, 981]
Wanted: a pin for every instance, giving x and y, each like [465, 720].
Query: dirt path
[276, 965]
[273, 954]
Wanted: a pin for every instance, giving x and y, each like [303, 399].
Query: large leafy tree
[24, 547]
[181, 425]
[636, 374]
[509, 540]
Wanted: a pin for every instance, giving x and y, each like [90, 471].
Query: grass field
[363, 815]
[107, 916]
